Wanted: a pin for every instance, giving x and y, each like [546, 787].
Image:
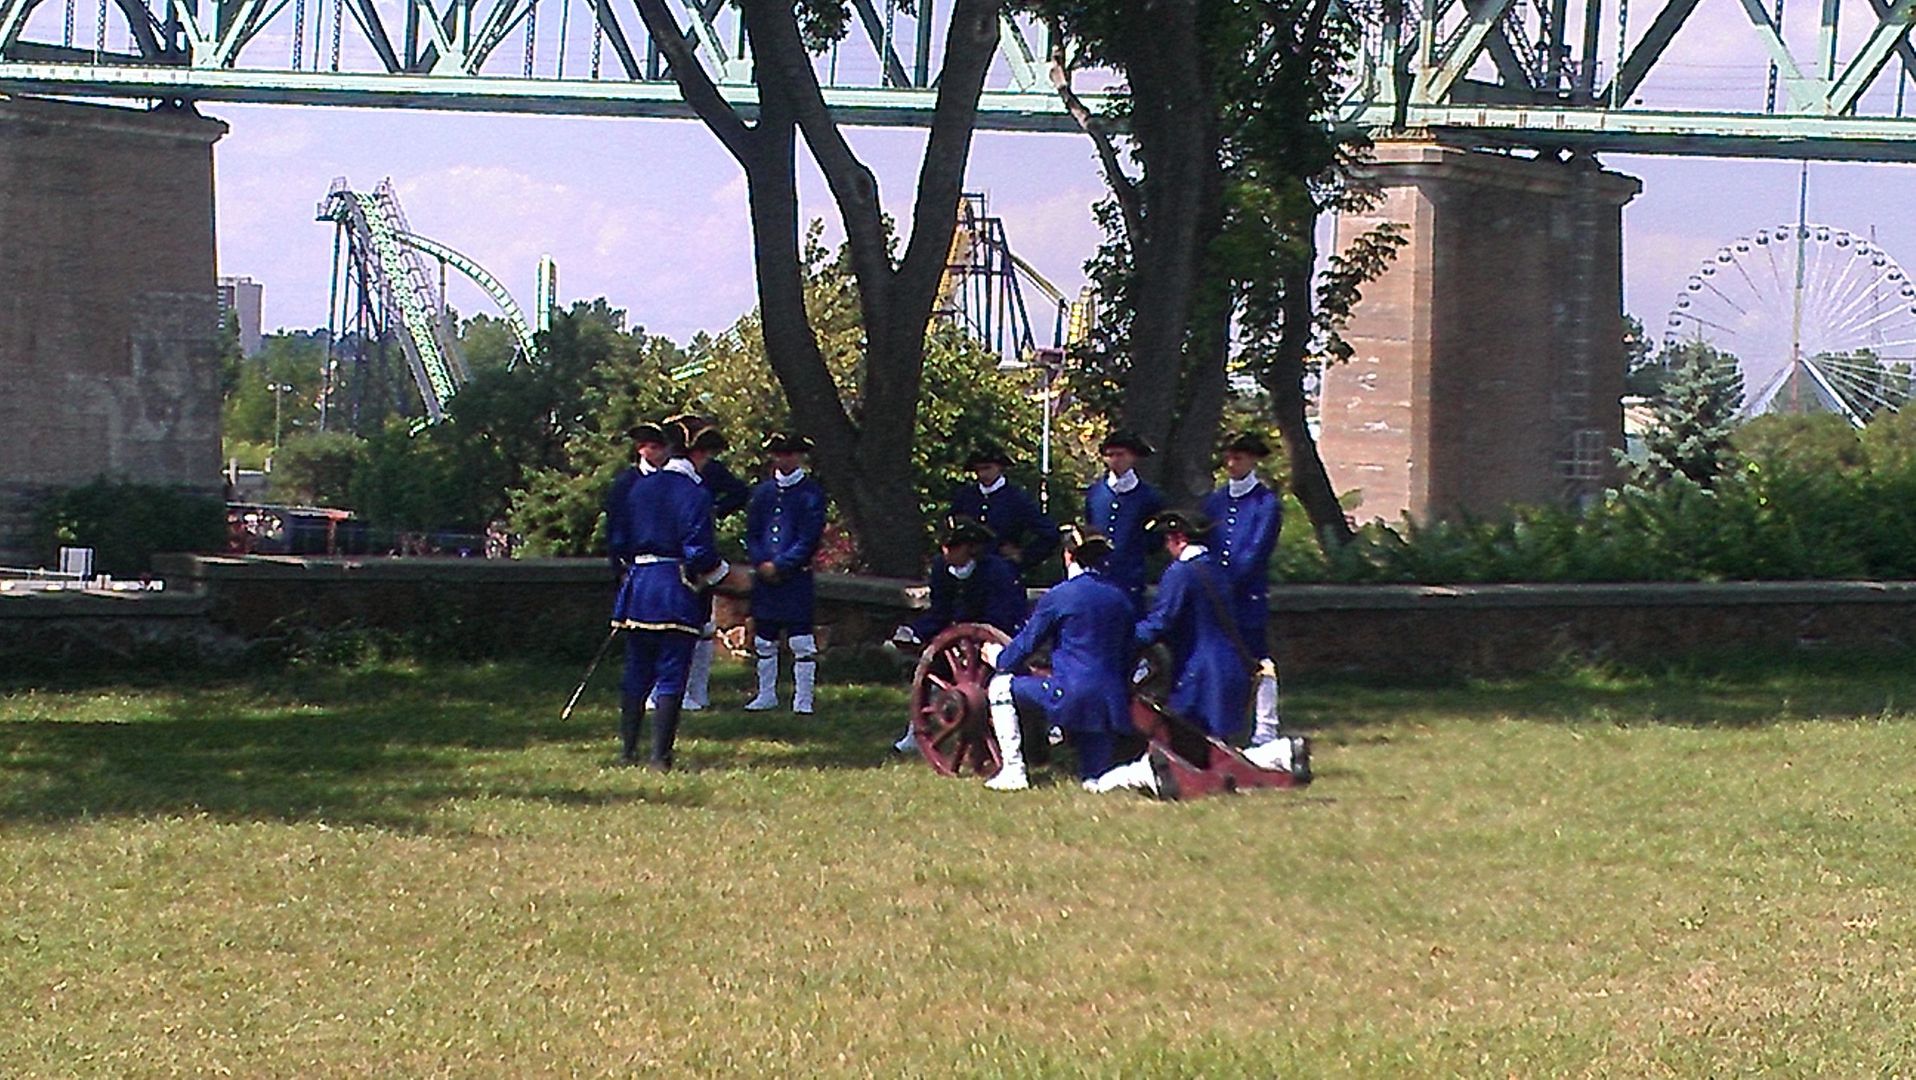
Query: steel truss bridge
[1579, 74]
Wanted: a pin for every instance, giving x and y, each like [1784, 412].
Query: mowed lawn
[403, 870]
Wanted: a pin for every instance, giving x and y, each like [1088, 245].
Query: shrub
[126, 524]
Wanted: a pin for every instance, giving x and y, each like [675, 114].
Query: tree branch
[1123, 188]
[695, 85]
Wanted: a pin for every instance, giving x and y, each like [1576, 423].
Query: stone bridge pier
[1489, 356]
[109, 325]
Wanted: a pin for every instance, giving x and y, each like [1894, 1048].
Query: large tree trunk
[1283, 378]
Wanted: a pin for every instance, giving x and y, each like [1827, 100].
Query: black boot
[631, 716]
[665, 729]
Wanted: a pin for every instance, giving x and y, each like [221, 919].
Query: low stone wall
[559, 607]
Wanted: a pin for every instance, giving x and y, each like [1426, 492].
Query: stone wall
[108, 324]
[1488, 363]
[559, 606]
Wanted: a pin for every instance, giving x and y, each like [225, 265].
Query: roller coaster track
[389, 262]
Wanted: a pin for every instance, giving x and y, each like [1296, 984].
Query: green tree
[1695, 417]
[1643, 370]
[1220, 166]
[317, 468]
[865, 438]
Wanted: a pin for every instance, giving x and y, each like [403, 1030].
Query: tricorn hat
[1188, 522]
[964, 530]
[988, 454]
[1248, 442]
[1087, 548]
[786, 442]
[646, 433]
[708, 437]
[1126, 440]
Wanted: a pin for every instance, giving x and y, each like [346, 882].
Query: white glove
[904, 636]
[990, 650]
[1141, 673]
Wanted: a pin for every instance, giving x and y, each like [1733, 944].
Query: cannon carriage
[951, 722]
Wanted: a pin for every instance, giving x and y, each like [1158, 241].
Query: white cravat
[995, 485]
[1072, 570]
[684, 466]
[1192, 551]
[1122, 484]
[646, 468]
[962, 572]
[1241, 488]
[786, 480]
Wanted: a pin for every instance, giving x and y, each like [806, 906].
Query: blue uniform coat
[992, 594]
[669, 540]
[618, 529]
[1087, 620]
[1212, 686]
[1243, 537]
[782, 527]
[1014, 517]
[1121, 519]
[729, 493]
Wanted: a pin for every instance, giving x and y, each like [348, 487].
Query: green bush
[126, 524]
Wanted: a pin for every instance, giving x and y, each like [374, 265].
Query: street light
[277, 388]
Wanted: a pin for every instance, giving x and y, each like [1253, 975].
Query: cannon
[951, 722]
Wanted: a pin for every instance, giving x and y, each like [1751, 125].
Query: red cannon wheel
[949, 714]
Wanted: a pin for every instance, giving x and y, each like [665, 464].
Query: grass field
[417, 870]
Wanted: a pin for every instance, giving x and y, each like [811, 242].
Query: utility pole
[278, 389]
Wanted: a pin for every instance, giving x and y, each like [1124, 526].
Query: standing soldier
[672, 558]
[1248, 516]
[648, 453]
[783, 524]
[1026, 535]
[704, 443]
[1117, 506]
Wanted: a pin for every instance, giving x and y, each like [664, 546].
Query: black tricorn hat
[646, 433]
[988, 454]
[1088, 548]
[1127, 440]
[708, 437]
[964, 530]
[1188, 522]
[1248, 442]
[786, 442]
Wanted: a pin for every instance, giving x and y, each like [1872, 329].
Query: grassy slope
[419, 870]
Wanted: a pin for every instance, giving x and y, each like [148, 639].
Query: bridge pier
[1489, 357]
[108, 318]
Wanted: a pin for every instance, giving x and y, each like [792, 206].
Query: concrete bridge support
[1489, 357]
[108, 318]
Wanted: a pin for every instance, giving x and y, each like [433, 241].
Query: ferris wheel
[1818, 318]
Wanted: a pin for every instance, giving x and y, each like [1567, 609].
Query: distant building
[244, 297]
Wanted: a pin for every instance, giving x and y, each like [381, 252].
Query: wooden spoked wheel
[950, 717]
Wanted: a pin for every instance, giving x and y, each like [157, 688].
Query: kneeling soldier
[1087, 621]
[969, 584]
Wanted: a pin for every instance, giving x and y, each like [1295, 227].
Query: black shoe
[1301, 760]
[665, 730]
[631, 716]
[1166, 777]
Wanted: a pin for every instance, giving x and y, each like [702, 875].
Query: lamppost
[1052, 361]
[277, 388]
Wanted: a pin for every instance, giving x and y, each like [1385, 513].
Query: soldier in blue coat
[1086, 619]
[704, 442]
[1117, 506]
[1211, 665]
[672, 557]
[969, 584]
[1026, 535]
[783, 524]
[1193, 614]
[649, 451]
[1246, 516]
